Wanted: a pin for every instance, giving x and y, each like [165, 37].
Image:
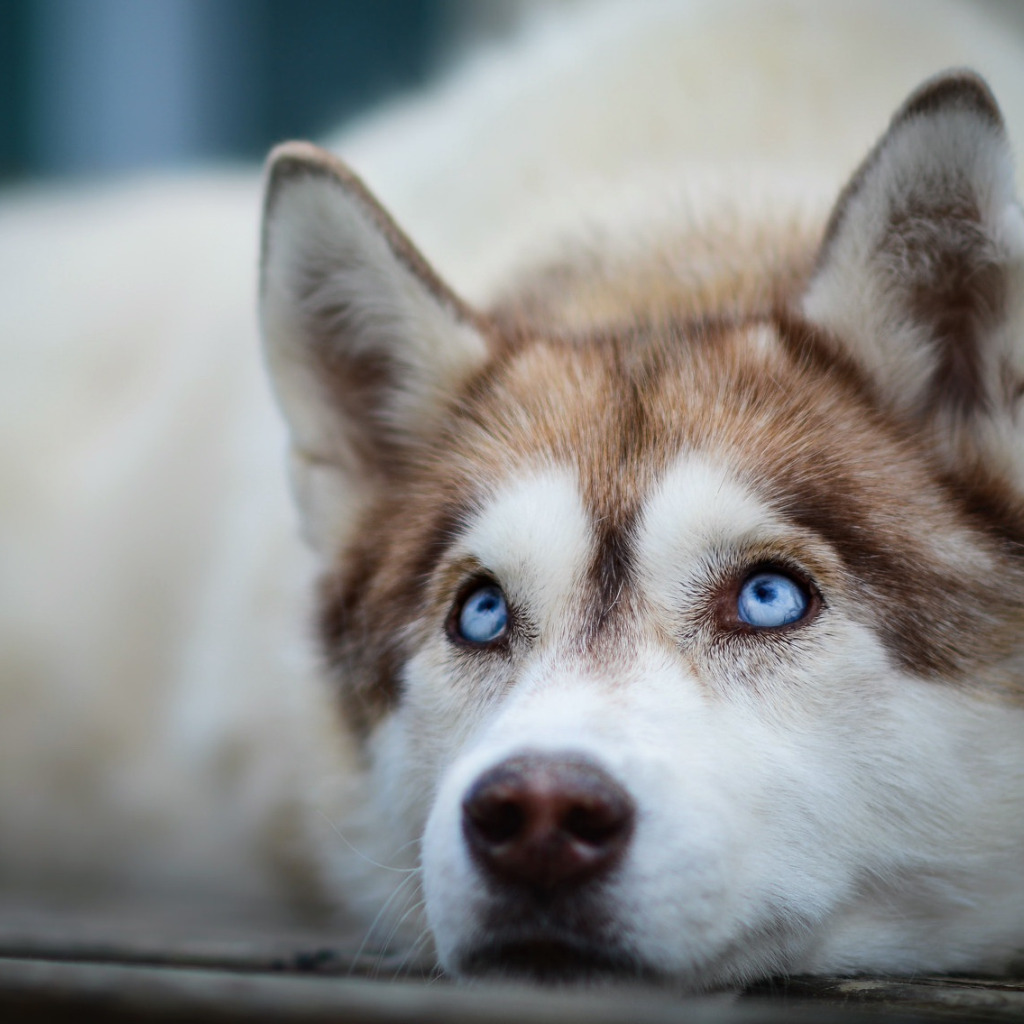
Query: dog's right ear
[365, 344]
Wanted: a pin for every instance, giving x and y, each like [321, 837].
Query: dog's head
[682, 643]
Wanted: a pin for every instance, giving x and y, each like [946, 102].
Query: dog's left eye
[768, 600]
[483, 616]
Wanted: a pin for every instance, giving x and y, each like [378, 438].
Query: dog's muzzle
[544, 831]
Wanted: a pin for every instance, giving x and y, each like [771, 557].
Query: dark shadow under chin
[554, 962]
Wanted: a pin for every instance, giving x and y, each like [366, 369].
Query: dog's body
[673, 605]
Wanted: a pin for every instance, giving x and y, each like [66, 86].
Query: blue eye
[770, 599]
[483, 618]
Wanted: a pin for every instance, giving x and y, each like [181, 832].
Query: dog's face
[683, 646]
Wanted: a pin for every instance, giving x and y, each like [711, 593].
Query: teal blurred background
[91, 87]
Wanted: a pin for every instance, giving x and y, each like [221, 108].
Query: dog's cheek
[437, 712]
[722, 862]
[447, 696]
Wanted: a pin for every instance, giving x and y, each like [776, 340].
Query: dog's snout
[547, 822]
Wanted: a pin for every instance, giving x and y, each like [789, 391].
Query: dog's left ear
[365, 344]
[921, 271]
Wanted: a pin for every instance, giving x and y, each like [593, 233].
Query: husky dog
[669, 622]
[675, 603]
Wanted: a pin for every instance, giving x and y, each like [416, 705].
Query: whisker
[398, 890]
[359, 853]
[436, 975]
[418, 905]
[411, 956]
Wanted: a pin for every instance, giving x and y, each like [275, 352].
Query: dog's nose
[547, 822]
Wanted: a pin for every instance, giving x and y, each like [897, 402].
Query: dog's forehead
[594, 426]
[621, 406]
[537, 530]
[570, 451]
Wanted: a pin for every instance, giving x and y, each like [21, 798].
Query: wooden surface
[73, 969]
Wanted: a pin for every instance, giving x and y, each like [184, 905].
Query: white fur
[536, 537]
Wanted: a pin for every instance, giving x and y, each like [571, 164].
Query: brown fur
[799, 425]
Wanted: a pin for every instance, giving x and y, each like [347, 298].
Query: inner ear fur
[919, 273]
[365, 344]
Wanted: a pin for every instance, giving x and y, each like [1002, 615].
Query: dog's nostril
[595, 823]
[496, 820]
[546, 822]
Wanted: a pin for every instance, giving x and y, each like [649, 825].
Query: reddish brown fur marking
[613, 570]
[958, 290]
[367, 687]
[961, 89]
[798, 425]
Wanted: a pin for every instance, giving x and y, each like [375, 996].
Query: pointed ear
[920, 271]
[364, 343]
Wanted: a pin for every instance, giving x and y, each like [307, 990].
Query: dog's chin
[557, 962]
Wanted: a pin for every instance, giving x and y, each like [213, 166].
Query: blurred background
[94, 87]
[91, 87]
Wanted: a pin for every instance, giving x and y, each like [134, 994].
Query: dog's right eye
[482, 617]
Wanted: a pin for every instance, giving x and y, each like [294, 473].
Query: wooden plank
[125, 967]
[66, 992]
[961, 998]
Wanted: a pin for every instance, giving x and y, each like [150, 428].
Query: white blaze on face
[698, 512]
[536, 537]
